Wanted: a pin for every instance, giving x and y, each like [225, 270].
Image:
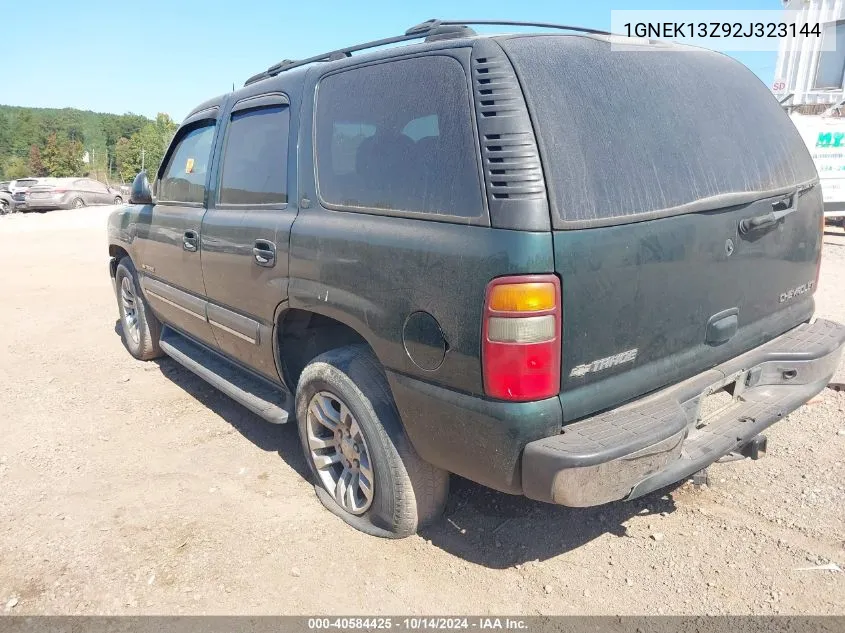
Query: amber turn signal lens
[527, 297]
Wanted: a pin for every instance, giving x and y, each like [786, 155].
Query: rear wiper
[780, 210]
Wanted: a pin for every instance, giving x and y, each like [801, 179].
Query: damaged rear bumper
[666, 436]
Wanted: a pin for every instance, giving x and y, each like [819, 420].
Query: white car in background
[825, 138]
[19, 188]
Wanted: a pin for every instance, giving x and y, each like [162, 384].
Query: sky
[167, 56]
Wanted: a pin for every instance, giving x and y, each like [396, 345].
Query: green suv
[544, 264]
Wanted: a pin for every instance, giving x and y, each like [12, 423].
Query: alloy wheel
[129, 303]
[339, 452]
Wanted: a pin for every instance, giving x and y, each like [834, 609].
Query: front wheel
[78, 203]
[118, 200]
[140, 327]
[365, 468]
[5, 207]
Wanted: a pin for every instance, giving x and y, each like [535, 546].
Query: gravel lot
[130, 487]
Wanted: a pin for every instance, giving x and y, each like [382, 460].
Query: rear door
[100, 193]
[86, 191]
[246, 231]
[168, 234]
[686, 209]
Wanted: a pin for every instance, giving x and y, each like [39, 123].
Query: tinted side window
[256, 157]
[398, 136]
[184, 178]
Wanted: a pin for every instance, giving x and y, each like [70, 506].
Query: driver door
[168, 240]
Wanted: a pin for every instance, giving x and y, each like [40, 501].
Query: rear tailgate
[652, 161]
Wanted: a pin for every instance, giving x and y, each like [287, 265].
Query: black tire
[77, 203]
[5, 207]
[408, 493]
[118, 200]
[145, 345]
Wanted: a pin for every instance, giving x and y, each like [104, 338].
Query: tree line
[69, 142]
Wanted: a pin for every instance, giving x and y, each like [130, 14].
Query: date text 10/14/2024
[417, 623]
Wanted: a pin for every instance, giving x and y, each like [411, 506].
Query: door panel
[103, 194]
[168, 235]
[235, 324]
[243, 295]
[161, 292]
[246, 230]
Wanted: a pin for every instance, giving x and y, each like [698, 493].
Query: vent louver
[513, 174]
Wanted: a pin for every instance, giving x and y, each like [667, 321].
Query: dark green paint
[650, 286]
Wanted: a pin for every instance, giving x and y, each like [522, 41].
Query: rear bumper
[657, 440]
[46, 205]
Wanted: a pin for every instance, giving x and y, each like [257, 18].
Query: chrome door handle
[264, 253]
[189, 241]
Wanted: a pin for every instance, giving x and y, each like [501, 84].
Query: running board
[257, 394]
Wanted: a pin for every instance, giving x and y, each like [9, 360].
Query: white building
[811, 75]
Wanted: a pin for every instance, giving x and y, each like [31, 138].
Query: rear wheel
[139, 326]
[5, 207]
[365, 468]
[78, 203]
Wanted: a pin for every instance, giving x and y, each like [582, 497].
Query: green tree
[5, 134]
[62, 157]
[15, 167]
[36, 166]
[21, 128]
[145, 147]
[124, 159]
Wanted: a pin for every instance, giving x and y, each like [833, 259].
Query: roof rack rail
[544, 25]
[434, 29]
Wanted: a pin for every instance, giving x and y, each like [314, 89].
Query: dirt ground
[130, 487]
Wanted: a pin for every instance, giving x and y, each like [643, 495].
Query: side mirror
[141, 192]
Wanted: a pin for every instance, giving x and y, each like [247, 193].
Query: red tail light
[521, 344]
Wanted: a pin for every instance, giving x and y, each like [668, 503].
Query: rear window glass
[631, 135]
[398, 136]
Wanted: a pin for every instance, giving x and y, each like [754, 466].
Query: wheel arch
[301, 335]
[116, 253]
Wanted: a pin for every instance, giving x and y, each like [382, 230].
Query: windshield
[627, 136]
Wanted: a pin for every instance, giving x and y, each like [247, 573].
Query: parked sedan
[70, 193]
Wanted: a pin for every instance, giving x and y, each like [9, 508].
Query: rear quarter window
[398, 137]
[626, 136]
